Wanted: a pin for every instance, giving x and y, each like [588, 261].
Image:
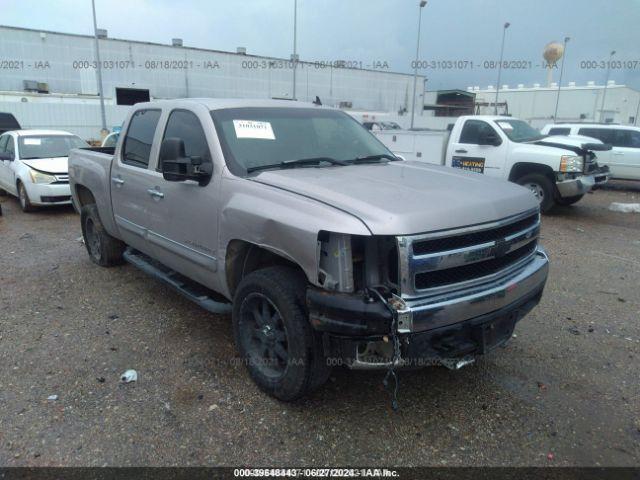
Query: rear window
[137, 143]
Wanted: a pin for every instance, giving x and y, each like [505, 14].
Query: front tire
[23, 197]
[273, 334]
[541, 187]
[566, 201]
[103, 249]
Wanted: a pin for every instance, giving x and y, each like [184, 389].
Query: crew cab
[33, 166]
[624, 157]
[557, 169]
[324, 246]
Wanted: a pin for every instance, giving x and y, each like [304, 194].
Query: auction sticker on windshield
[471, 164]
[253, 129]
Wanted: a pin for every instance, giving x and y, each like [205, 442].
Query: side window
[186, 126]
[559, 131]
[602, 134]
[471, 131]
[625, 138]
[137, 143]
[3, 143]
[634, 139]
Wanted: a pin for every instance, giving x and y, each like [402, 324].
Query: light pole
[294, 57]
[564, 49]
[415, 69]
[99, 69]
[504, 31]
[606, 82]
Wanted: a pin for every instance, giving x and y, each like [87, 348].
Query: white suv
[624, 157]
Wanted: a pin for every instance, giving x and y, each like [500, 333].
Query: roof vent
[554, 85]
[489, 87]
[572, 84]
[591, 83]
[611, 83]
[176, 42]
[536, 85]
[102, 32]
[520, 86]
[241, 50]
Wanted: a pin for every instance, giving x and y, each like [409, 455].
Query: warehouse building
[51, 82]
[577, 103]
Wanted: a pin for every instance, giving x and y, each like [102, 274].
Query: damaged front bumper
[572, 187]
[448, 329]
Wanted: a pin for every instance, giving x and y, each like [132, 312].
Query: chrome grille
[437, 262]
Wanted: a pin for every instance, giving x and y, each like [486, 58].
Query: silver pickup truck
[325, 247]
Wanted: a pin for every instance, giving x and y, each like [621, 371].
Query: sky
[376, 33]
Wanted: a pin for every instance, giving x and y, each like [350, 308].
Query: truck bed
[90, 168]
[423, 146]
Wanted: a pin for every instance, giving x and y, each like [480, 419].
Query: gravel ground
[564, 391]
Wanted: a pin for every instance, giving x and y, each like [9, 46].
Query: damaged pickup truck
[325, 247]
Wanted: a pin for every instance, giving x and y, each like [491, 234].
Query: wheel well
[524, 168]
[244, 257]
[85, 197]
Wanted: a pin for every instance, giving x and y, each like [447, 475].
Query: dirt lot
[564, 391]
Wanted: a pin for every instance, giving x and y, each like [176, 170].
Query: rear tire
[23, 198]
[543, 189]
[566, 201]
[273, 334]
[103, 249]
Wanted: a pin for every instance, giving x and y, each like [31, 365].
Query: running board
[192, 290]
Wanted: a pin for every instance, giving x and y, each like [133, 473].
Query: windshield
[519, 130]
[48, 146]
[255, 137]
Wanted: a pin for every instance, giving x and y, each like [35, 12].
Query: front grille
[474, 238]
[435, 263]
[472, 270]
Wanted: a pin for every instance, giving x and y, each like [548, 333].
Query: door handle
[461, 151]
[155, 193]
[117, 181]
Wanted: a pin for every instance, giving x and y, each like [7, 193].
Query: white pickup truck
[557, 169]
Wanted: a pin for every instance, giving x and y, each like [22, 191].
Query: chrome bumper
[583, 184]
[424, 314]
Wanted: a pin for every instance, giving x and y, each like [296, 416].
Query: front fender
[282, 222]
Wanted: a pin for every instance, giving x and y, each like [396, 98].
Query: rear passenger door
[132, 181]
[184, 232]
[626, 153]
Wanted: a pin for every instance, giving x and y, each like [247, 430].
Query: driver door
[184, 215]
[470, 154]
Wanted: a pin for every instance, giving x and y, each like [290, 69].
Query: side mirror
[6, 156]
[177, 167]
[489, 137]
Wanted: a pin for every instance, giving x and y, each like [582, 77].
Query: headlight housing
[571, 163]
[39, 177]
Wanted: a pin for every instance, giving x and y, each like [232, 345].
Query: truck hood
[49, 165]
[406, 197]
[578, 144]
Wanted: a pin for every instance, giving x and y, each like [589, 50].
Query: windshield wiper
[374, 158]
[297, 163]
